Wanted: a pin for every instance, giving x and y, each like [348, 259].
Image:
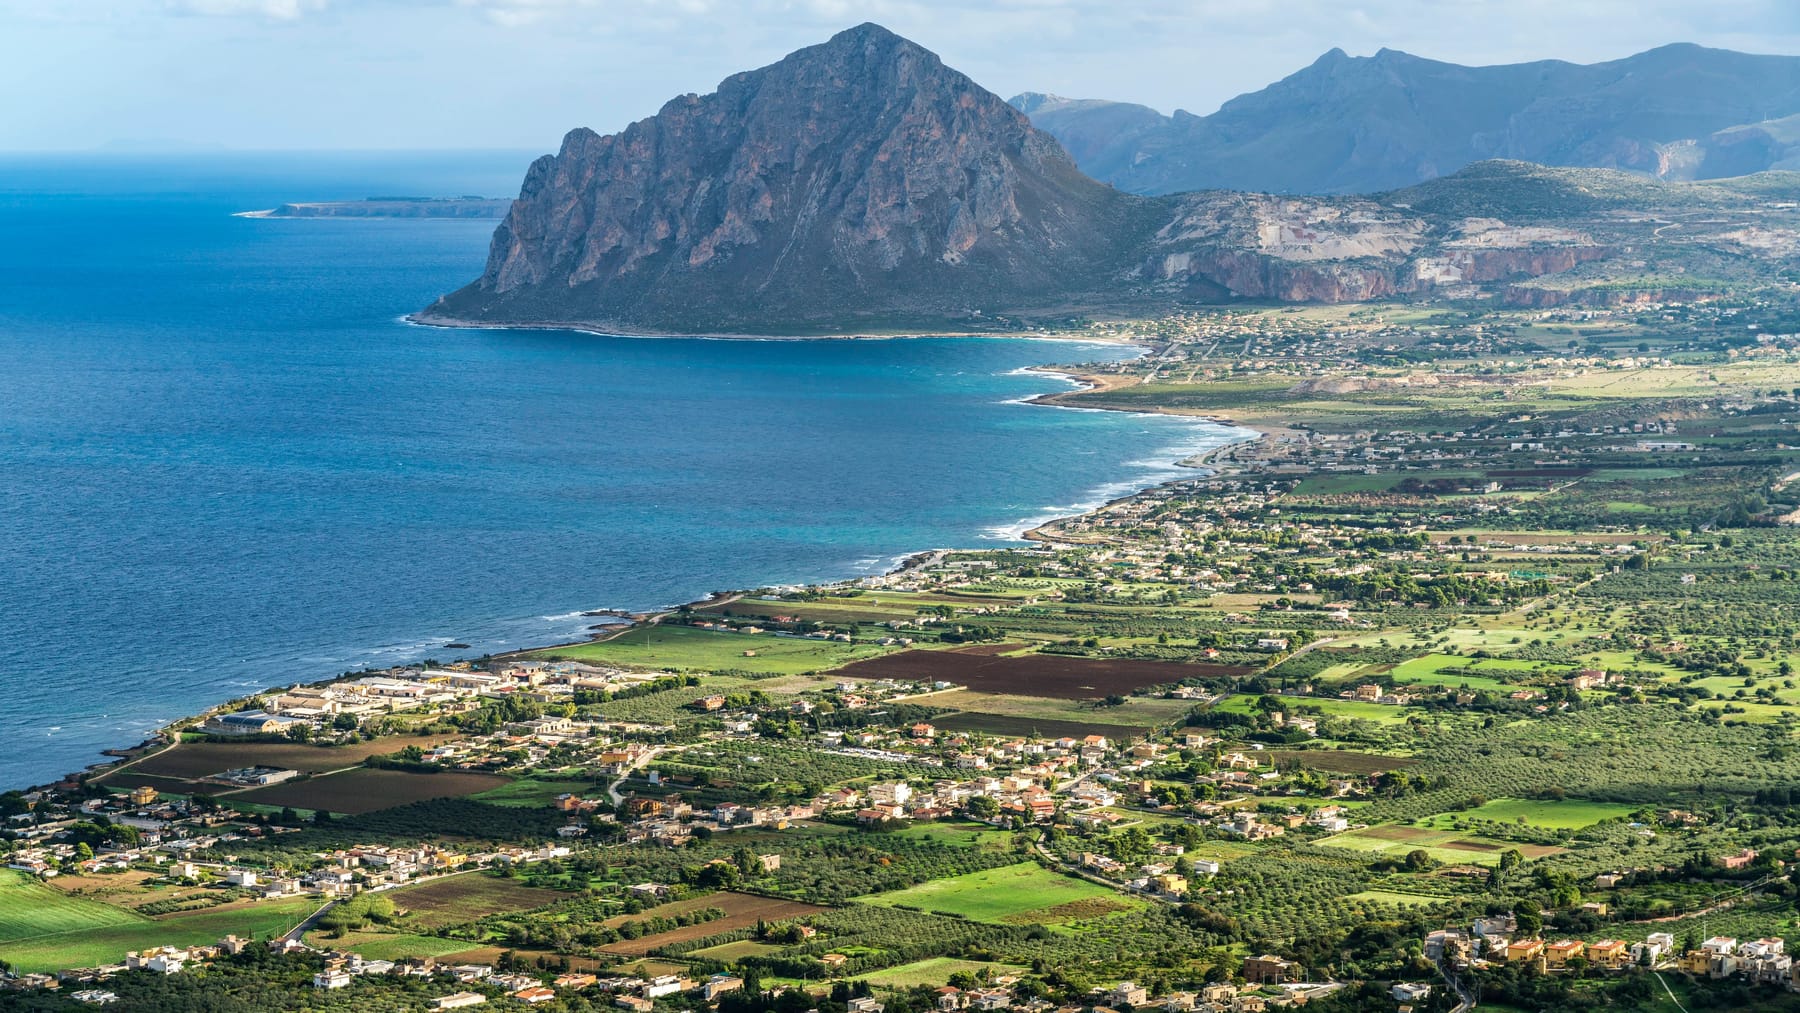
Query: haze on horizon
[504, 74]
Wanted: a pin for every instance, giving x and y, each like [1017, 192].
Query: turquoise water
[228, 464]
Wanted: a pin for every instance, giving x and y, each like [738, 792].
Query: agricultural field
[1450, 847]
[934, 971]
[1561, 814]
[1011, 726]
[1035, 675]
[30, 908]
[1023, 894]
[453, 900]
[735, 951]
[742, 910]
[685, 649]
[366, 789]
[194, 760]
[1341, 761]
[532, 793]
[89, 947]
[1394, 897]
[1132, 712]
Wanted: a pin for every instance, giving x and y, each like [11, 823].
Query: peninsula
[391, 207]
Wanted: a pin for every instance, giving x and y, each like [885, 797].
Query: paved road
[312, 920]
[1465, 998]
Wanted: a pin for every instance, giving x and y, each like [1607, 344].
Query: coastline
[1037, 533]
[605, 330]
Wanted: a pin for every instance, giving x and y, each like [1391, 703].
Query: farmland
[1036, 675]
[1558, 814]
[453, 900]
[686, 649]
[29, 909]
[934, 970]
[92, 946]
[364, 789]
[741, 910]
[1443, 845]
[1023, 894]
[193, 760]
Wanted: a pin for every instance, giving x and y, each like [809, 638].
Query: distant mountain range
[1367, 124]
[860, 185]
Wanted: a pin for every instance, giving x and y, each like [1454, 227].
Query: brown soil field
[1397, 833]
[192, 760]
[365, 790]
[742, 910]
[1341, 761]
[1039, 675]
[453, 900]
[986, 650]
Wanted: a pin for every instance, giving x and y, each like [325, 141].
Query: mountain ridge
[862, 186]
[1352, 124]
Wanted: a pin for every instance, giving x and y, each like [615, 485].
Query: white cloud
[275, 10]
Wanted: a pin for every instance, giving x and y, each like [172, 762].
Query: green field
[728, 952]
[1566, 814]
[29, 909]
[934, 971]
[390, 945]
[108, 944]
[1331, 706]
[1499, 675]
[683, 649]
[1396, 898]
[963, 834]
[1023, 894]
[529, 793]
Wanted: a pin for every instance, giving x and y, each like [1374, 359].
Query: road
[311, 920]
[612, 790]
[1465, 999]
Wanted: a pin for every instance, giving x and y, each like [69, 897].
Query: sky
[518, 74]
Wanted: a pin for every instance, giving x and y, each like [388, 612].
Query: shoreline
[1036, 534]
[604, 330]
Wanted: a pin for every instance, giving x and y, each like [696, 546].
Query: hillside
[858, 183]
[1366, 124]
[861, 185]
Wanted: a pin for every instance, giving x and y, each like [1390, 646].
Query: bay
[227, 463]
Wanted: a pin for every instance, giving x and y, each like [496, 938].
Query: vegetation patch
[1025, 893]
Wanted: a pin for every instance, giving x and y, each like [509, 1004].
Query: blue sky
[298, 74]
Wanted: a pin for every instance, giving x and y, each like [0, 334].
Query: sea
[227, 463]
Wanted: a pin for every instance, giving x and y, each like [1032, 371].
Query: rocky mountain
[857, 183]
[1367, 124]
[860, 185]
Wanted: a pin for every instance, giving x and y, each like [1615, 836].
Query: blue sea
[226, 463]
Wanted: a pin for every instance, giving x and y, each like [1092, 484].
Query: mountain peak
[857, 172]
